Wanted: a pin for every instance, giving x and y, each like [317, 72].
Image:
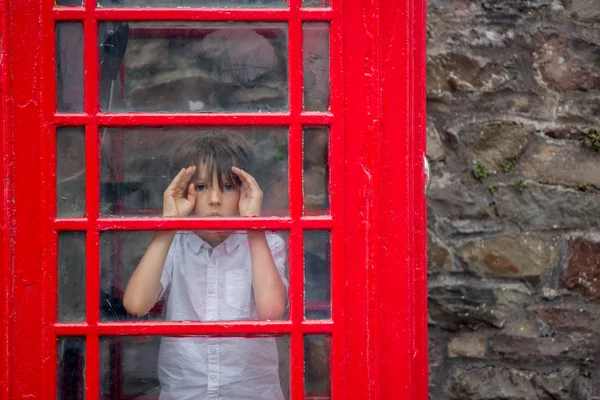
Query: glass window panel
[317, 274]
[71, 276]
[190, 367]
[202, 282]
[315, 3]
[70, 172]
[317, 356]
[193, 67]
[138, 164]
[69, 66]
[70, 376]
[194, 3]
[68, 2]
[316, 170]
[316, 65]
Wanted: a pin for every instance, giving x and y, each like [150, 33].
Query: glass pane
[193, 67]
[194, 3]
[317, 356]
[316, 66]
[316, 170]
[194, 367]
[70, 377]
[69, 66]
[205, 276]
[68, 2]
[70, 172]
[317, 274]
[71, 276]
[138, 164]
[315, 3]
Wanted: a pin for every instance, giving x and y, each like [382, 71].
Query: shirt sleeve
[279, 252]
[167, 273]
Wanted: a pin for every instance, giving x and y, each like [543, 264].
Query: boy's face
[211, 200]
[214, 202]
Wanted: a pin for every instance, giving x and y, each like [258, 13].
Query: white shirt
[216, 287]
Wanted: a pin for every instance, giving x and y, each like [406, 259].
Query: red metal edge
[361, 111]
[336, 158]
[178, 328]
[6, 214]
[421, 359]
[49, 262]
[28, 222]
[193, 14]
[402, 209]
[190, 119]
[296, 85]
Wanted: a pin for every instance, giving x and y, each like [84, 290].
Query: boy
[214, 276]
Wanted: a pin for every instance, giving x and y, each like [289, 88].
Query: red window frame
[377, 219]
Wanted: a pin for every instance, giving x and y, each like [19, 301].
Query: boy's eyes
[227, 187]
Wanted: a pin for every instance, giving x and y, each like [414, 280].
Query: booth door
[96, 98]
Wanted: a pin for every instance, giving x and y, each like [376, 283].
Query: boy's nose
[215, 197]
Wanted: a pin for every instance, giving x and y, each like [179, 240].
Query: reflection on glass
[315, 3]
[194, 3]
[138, 164]
[70, 172]
[194, 367]
[69, 66]
[68, 2]
[195, 67]
[316, 65]
[71, 276]
[70, 377]
[317, 352]
[317, 274]
[316, 170]
[206, 276]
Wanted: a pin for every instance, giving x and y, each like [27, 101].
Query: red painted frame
[377, 122]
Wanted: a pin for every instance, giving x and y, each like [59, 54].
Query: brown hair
[219, 151]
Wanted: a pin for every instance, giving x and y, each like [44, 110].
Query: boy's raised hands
[175, 202]
[251, 196]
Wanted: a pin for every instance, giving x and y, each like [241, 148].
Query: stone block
[533, 206]
[511, 257]
[566, 163]
[493, 143]
[454, 303]
[464, 346]
[566, 63]
[582, 273]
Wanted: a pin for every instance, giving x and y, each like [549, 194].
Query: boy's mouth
[213, 215]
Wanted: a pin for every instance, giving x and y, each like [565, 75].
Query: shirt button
[213, 378]
[211, 290]
[214, 351]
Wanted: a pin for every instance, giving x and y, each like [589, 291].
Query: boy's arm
[270, 294]
[144, 286]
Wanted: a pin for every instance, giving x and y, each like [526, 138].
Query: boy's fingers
[182, 178]
[248, 181]
[175, 180]
[191, 193]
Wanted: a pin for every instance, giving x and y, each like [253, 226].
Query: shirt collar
[230, 244]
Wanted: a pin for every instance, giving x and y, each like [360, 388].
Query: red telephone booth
[331, 94]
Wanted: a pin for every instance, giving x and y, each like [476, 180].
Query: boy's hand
[175, 202]
[250, 194]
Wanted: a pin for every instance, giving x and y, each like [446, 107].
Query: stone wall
[514, 203]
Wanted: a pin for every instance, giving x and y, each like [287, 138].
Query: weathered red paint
[6, 208]
[377, 220]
